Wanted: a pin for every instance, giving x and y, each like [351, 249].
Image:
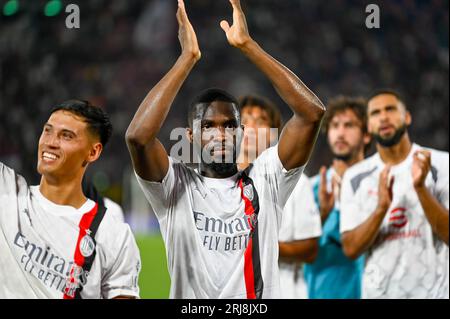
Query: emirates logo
[398, 218]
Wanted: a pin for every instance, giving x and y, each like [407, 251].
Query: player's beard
[343, 157]
[393, 140]
[223, 166]
[223, 169]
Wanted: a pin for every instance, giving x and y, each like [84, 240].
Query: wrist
[190, 57]
[420, 189]
[381, 210]
[324, 212]
[248, 45]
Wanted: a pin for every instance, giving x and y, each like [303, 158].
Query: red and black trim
[252, 261]
[88, 225]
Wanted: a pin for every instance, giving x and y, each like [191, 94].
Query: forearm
[153, 111]
[299, 251]
[357, 241]
[291, 89]
[436, 214]
[324, 214]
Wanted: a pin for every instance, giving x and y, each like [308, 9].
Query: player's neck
[243, 161]
[340, 166]
[396, 154]
[66, 193]
[208, 171]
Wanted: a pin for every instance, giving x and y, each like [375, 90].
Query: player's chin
[341, 151]
[47, 169]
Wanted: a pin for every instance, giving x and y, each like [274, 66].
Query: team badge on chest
[87, 246]
[248, 192]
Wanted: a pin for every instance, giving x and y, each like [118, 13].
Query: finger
[420, 161]
[323, 180]
[323, 177]
[334, 187]
[181, 5]
[391, 187]
[236, 4]
[385, 173]
[180, 21]
[424, 156]
[182, 9]
[225, 26]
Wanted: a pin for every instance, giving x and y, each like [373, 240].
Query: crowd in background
[124, 47]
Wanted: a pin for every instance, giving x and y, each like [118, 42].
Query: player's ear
[190, 135]
[94, 153]
[408, 118]
[367, 138]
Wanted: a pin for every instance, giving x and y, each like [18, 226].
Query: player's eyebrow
[68, 131]
[233, 122]
[207, 122]
[63, 130]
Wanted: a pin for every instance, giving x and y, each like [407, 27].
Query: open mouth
[386, 129]
[340, 144]
[49, 157]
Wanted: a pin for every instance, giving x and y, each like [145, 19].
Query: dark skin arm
[357, 241]
[149, 157]
[436, 214]
[299, 250]
[299, 134]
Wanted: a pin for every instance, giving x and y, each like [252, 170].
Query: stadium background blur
[124, 47]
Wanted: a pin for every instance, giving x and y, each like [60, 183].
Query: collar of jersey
[407, 161]
[228, 182]
[60, 209]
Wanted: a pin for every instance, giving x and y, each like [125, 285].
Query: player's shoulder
[6, 170]
[268, 155]
[10, 180]
[369, 164]
[114, 209]
[112, 228]
[303, 184]
[355, 175]
[181, 169]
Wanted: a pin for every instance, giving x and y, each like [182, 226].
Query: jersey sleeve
[351, 213]
[7, 176]
[301, 217]
[121, 279]
[159, 194]
[281, 182]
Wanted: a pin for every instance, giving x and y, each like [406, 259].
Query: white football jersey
[114, 209]
[301, 220]
[206, 230]
[38, 241]
[407, 259]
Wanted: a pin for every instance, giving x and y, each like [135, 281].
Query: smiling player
[54, 242]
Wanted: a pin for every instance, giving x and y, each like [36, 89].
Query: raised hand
[326, 199]
[237, 34]
[385, 187]
[420, 168]
[186, 34]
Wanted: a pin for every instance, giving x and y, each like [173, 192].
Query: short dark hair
[389, 91]
[205, 98]
[265, 104]
[96, 118]
[357, 105]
